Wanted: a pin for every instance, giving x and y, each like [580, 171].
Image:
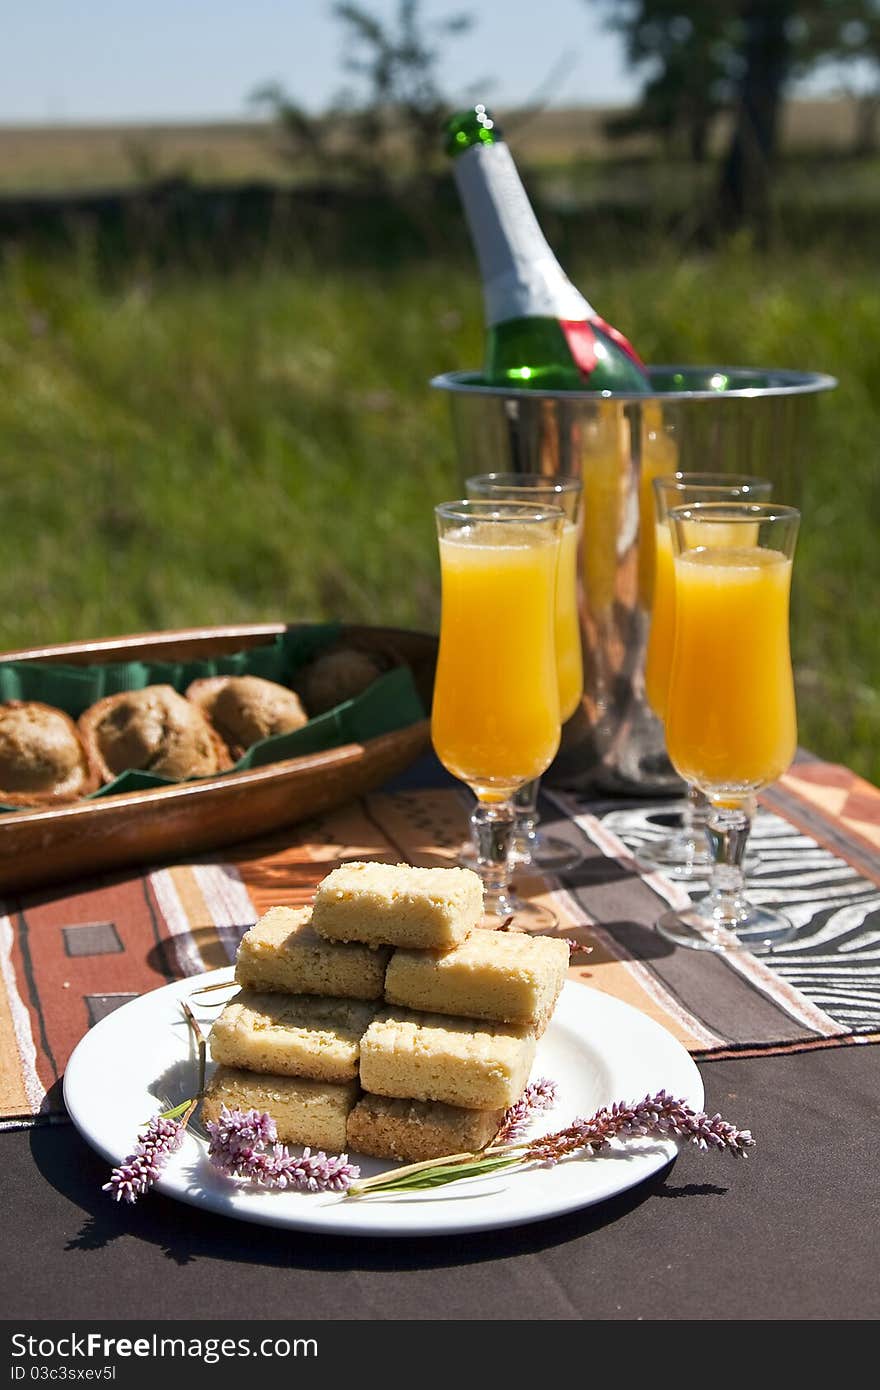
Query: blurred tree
[855, 41]
[687, 50]
[766, 49]
[399, 64]
[738, 56]
[398, 102]
[303, 138]
[781, 40]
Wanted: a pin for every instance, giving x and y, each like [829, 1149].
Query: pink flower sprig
[660, 1114]
[574, 947]
[157, 1141]
[538, 1095]
[160, 1137]
[244, 1144]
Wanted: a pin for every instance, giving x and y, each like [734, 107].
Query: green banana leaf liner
[390, 703]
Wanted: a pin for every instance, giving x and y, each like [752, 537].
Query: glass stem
[492, 826]
[728, 831]
[695, 818]
[700, 807]
[525, 835]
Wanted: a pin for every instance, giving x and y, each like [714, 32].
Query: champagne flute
[730, 715]
[495, 715]
[685, 854]
[531, 847]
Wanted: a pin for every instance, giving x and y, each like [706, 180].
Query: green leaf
[177, 1111]
[432, 1177]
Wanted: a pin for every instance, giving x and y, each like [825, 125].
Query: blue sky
[161, 59]
[114, 60]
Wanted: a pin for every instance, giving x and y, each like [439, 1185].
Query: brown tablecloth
[69, 956]
[788, 1234]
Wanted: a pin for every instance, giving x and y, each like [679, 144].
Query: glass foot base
[758, 931]
[682, 859]
[550, 855]
[678, 857]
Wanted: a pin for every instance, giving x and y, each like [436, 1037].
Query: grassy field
[200, 449]
[58, 158]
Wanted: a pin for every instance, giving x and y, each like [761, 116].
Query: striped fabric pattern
[828, 978]
[70, 956]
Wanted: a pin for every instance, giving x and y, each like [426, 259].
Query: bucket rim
[782, 381]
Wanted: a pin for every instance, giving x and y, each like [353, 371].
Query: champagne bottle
[541, 332]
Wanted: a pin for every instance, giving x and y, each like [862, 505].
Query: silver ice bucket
[699, 419]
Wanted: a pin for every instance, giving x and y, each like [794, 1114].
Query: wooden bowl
[47, 846]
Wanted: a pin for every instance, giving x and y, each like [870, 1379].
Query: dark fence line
[179, 223]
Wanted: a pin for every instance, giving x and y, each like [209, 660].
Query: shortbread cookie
[396, 905]
[282, 952]
[465, 1062]
[414, 1130]
[305, 1112]
[507, 976]
[292, 1035]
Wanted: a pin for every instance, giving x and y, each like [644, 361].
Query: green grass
[200, 449]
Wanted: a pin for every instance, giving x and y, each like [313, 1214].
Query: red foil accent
[581, 343]
[620, 340]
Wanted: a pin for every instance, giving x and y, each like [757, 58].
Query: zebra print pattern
[835, 958]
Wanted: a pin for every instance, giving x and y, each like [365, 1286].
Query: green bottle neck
[470, 128]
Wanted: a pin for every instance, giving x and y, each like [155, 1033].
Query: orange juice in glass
[496, 697]
[659, 459]
[685, 853]
[495, 716]
[730, 718]
[661, 634]
[569, 652]
[731, 722]
[531, 846]
[677, 490]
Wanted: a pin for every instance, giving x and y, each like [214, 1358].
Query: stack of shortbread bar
[383, 1020]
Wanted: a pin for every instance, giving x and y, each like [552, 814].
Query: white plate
[140, 1059]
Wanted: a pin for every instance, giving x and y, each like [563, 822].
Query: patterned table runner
[69, 956]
